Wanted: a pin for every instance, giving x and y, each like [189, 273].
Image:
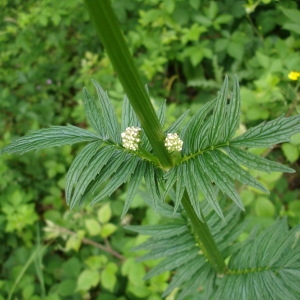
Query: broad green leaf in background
[104, 213]
[291, 152]
[108, 276]
[87, 279]
[93, 227]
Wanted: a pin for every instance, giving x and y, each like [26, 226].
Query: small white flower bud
[131, 138]
[173, 143]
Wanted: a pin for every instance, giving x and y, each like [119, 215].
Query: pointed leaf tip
[108, 114]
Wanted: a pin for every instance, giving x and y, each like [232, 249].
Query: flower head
[173, 143]
[293, 75]
[131, 138]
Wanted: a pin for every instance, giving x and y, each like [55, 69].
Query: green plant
[208, 151]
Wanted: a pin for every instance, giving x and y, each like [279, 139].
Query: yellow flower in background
[293, 75]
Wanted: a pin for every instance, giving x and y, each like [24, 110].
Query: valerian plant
[196, 164]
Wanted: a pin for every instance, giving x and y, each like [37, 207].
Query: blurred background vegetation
[183, 49]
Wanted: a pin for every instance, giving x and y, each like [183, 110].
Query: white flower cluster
[131, 138]
[173, 142]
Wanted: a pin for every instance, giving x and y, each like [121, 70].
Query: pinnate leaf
[124, 172]
[192, 132]
[160, 231]
[133, 186]
[217, 128]
[115, 161]
[89, 173]
[93, 113]
[205, 186]
[129, 117]
[269, 133]
[180, 186]
[220, 178]
[151, 180]
[78, 165]
[108, 114]
[50, 137]
[192, 188]
[256, 162]
[161, 112]
[234, 170]
[233, 118]
[267, 266]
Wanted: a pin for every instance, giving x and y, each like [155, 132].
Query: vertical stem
[204, 237]
[111, 37]
[110, 34]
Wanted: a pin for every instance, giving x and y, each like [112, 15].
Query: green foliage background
[183, 49]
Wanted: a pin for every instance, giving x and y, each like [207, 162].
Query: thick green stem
[204, 237]
[111, 37]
